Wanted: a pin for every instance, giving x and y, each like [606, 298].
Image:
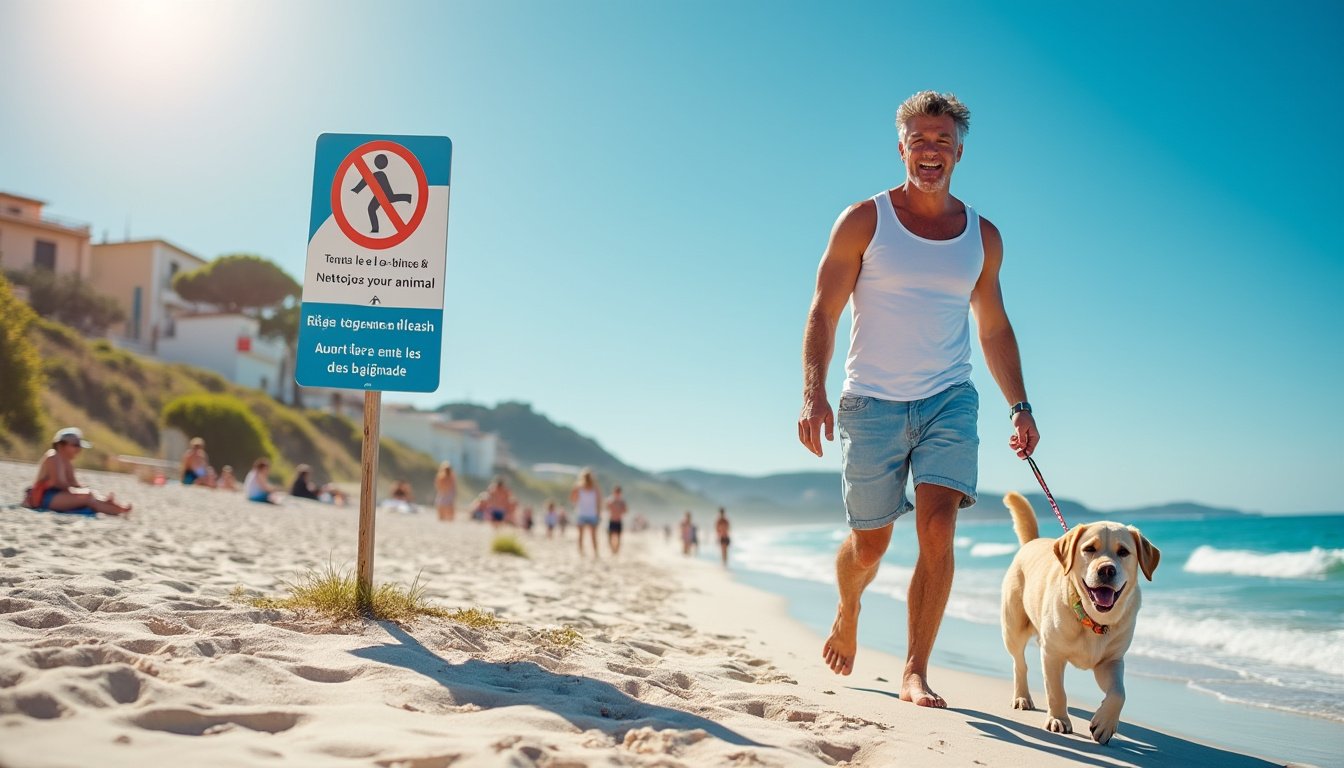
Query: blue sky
[641, 193]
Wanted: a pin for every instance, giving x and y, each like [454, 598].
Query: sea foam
[1230, 643]
[992, 549]
[1315, 563]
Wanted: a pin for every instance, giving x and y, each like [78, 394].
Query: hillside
[117, 397]
[534, 439]
[815, 496]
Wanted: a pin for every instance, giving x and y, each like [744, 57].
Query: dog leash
[1048, 496]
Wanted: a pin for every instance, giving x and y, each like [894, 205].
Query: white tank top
[911, 306]
[587, 506]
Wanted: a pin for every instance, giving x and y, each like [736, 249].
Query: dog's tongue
[1102, 597]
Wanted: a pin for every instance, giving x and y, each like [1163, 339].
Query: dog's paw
[1103, 729]
[1058, 724]
[1023, 702]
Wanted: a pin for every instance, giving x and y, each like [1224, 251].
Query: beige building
[29, 239]
[139, 275]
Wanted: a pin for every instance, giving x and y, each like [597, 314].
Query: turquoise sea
[1240, 641]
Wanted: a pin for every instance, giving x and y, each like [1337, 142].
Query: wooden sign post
[368, 495]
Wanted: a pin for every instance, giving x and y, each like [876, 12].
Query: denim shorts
[881, 440]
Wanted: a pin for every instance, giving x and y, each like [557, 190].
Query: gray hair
[934, 104]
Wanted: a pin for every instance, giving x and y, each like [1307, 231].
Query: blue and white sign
[372, 314]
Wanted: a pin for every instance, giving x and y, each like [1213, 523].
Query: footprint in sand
[321, 675]
[188, 722]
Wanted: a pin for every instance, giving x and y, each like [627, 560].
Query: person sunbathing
[257, 485]
[56, 488]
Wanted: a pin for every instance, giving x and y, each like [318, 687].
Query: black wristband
[1019, 408]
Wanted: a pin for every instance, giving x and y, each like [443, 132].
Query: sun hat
[71, 435]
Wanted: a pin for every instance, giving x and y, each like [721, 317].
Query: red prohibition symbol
[383, 195]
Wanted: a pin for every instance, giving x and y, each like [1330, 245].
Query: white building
[472, 452]
[230, 345]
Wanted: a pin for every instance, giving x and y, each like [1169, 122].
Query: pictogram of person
[379, 176]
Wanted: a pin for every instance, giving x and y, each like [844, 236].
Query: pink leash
[1049, 497]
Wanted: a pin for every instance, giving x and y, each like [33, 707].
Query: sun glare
[145, 50]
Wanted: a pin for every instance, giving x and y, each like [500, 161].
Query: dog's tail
[1024, 517]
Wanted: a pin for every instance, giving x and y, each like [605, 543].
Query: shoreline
[119, 642]
[926, 737]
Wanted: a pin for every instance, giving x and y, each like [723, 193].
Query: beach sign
[372, 311]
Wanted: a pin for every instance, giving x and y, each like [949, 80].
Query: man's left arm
[999, 343]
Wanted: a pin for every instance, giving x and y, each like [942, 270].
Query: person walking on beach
[586, 496]
[688, 534]
[913, 260]
[552, 518]
[500, 502]
[445, 492]
[57, 489]
[721, 532]
[616, 508]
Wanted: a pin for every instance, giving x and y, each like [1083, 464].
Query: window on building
[44, 255]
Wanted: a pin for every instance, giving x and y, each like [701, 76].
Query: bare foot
[843, 643]
[916, 689]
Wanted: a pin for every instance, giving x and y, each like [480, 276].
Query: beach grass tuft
[508, 544]
[333, 593]
[561, 637]
[473, 617]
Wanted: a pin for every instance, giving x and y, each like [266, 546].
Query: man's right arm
[836, 277]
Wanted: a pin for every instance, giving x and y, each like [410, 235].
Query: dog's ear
[1066, 547]
[1148, 554]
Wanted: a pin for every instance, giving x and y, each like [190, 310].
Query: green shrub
[508, 544]
[70, 300]
[20, 368]
[232, 434]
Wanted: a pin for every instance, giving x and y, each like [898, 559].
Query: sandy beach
[122, 642]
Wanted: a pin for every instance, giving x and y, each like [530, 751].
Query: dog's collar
[1086, 620]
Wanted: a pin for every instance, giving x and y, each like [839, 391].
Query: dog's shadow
[1132, 745]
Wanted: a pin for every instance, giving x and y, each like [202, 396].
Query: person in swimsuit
[616, 508]
[500, 502]
[57, 489]
[196, 465]
[721, 530]
[227, 480]
[445, 492]
[586, 496]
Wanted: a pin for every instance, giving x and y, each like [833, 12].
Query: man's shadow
[1133, 745]
[584, 702]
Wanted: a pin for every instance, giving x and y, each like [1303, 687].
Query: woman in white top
[586, 496]
[257, 484]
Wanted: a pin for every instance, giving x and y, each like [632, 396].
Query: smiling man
[915, 261]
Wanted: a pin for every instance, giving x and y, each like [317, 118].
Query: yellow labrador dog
[1079, 594]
